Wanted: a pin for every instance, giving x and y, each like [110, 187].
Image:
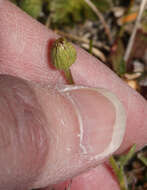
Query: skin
[23, 40]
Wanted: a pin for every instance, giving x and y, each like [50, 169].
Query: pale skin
[24, 53]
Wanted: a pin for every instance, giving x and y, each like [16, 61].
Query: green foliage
[124, 159]
[63, 11]
[67, 11]
[32, 7]
[118, 167]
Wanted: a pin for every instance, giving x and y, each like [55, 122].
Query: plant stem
[90, 46]
[69, 76]
[118, 167]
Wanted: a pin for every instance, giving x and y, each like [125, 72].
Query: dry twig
[132, 38]
[82, 40]
[98, 13]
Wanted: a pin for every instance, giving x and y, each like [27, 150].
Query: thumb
[48, 135]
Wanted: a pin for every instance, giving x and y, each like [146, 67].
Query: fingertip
[97, 178]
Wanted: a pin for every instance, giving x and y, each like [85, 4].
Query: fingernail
[102, 119]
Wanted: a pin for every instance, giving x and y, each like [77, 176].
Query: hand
[39, 140]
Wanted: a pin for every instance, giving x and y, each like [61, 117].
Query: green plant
[32, 7]
[63, 55]
[118, 167]
[74, 10]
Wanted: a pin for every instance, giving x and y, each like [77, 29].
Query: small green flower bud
[63, 54]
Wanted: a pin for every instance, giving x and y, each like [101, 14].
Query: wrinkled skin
[24, 53]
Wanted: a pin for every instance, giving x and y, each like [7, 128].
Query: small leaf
[143, 159]
[32, 7]
[116, 58]
[118, 167]
[119, 172]
[125, 158]
[114, 165]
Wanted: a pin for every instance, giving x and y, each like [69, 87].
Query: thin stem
[114, 165]
[118, 167]
[98, 13]
[90, 46]
[48, 21]
[132, 38]
[69, 76]
[128, 156]
[119, 172]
